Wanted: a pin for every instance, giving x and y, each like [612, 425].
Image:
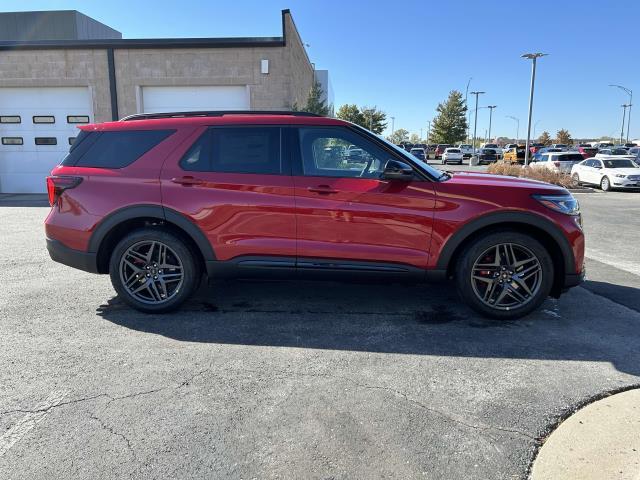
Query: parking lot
[301, 380]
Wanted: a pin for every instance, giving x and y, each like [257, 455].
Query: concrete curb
[600, 441]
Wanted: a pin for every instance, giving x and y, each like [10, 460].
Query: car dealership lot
[291, 379]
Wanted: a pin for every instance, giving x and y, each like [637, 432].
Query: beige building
[49, 86]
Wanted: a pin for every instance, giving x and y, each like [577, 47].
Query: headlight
[619, 175]
[566, 204]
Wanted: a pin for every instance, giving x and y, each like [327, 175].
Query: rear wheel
[153, 271]
[576, 179]
[505, 275]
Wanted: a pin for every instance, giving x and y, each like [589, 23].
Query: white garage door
[36, 128]
[184, 99]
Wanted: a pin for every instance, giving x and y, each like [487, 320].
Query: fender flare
[151, 211]
[523, 218]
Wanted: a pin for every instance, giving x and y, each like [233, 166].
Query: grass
[542, 174]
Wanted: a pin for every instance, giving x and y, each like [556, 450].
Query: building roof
[227, 42]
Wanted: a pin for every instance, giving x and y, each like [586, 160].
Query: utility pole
[428, 135]
[393, 122]
[475, 121]
[535, 125]
[624, 114]
[534, 57]
[490, 107]
[466, 94]
[630, 93]
[517, 128]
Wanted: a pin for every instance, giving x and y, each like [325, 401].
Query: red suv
[158, 201]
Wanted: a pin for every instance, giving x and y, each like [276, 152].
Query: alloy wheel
[506, 276]
[151, 272]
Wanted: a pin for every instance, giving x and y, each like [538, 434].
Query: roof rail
[214, 113]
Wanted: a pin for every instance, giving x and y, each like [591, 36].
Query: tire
[576, 179]
[179, 282]
[444, 162]
[538, 277]
[605, 184]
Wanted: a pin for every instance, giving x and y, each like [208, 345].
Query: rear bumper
[574, 279]
[60, 253]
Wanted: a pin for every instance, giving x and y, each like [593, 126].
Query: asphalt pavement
[301, 380]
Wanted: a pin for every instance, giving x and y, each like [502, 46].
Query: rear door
[346, 211]
[235, 184]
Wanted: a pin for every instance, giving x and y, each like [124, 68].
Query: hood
[623, 171]
[493, 181]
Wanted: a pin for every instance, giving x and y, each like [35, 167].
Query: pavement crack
[117, 434]
[50, 407]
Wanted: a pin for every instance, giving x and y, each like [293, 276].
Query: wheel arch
[538, 227]
[113, 227]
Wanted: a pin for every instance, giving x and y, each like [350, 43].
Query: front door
[344, 210]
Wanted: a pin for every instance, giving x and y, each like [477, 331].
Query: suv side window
[236, 150]
[339, 152]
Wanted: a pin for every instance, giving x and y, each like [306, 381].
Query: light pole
[490, 107]
[535, 125]
[534, 57]
[624, 114]
[428, 135]
[475, 121]
[466, 94]
[393, 122]
[517, 128]
[630, 93]
[421, 130]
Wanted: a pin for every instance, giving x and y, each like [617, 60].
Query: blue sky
[405, 56]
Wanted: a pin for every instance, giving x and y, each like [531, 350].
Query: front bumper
[87, 261]
[624, 183]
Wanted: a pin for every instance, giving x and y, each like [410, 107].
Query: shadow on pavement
[419, 320]
[23, 200]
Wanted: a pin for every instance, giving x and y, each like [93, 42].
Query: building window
[77, 118]
[46, 141]
[12, 140]
[44, 119]
[71, 140]
[10, 119]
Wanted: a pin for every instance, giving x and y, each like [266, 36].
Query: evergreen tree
[450, 124]
[545, 138]
[351, 113]
[374, 119]
[314, 104]
[563, 136]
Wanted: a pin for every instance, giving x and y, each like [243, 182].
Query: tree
[315, 103]
[545, 138]
[367, 117]
[563, 136]
[350, 113]
[399, 136]
[375, 119]
[450, 124]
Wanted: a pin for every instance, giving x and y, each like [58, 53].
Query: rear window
[116, 149]
[453, 150]
[570, 157]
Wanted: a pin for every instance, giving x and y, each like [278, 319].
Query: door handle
[323, 189]
[187, 180]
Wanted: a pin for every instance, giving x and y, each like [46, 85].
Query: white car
[508, 147]
[561, 162]
[614, 153]
[452, 155]
[607, 173]
[493, 146]
[467, 149]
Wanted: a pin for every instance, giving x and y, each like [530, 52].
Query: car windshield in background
[622, 163]
[489, 151]
[619, 151]
[453, 150]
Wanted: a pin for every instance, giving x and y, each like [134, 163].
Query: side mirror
[396, 170]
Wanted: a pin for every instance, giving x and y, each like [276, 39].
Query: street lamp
[630, 93]
[624, 114]
[533, 57]
[535, 125]
[393, 122]
[490, 107]
[466, 94]
[517, 128]
[475, 121]
[428, 135]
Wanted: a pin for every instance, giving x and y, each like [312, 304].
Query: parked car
[514, 154]
[634, 152]
[561, 146]
[493, 146]
[630, 145]
[561, 162]
[418, 153]
[487, 155]
[534, 147]
[508, 147]
[158, 201]
[440, 148]
[602, 145]
[452, 155]
[607, 173]
[467, 150]
[587, 152]
[614, 152]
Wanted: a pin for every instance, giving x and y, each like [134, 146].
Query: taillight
[557, 164]
[57, 185]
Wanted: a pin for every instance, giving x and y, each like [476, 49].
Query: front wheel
[505, 275]
[605, 184]
[153, 271]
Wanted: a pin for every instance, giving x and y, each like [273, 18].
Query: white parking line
[30, 420]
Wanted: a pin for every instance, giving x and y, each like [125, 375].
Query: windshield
[619, 164]
[619, 151]
[464, 145]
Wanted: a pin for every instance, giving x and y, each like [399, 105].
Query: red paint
[249, 214]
